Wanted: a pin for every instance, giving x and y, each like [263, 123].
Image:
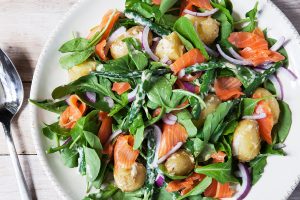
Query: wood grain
[24, 28]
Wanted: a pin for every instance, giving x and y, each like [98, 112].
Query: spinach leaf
[219, 171]
[138, 137]
[56, 107]
[187, 44]
[269, 150]
[82, 163]
[53, 130]
[93, 163]
[190, 94]
[168, 21]
[165, 5]
[198, 189]
[145, 10]
[75, 58]
[186, 29]
[163, 169]
[249, 105]
[207, 80]
[100, 104]
[206, 152]
[196, 107]
[70, 157]
[185, 118]
[103, 194]
[244, 74]
[258, 165]
[161, 92]
[214, 119]
[251, 15]
[283, 126]
[163, 194]
[76, 44]
[93, 140]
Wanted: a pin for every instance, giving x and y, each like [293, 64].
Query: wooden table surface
[24, 28]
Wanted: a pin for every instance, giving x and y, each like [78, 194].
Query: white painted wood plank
[38, 182]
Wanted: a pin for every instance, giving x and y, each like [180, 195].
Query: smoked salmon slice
[100, 50]
[188, 59]
[105, 130]
[228, 88]
[204, 4]
[218, 157]
[73, 112]
[258, 57]
[120, 87]
[219, 190]
[172, 134]
[124, 155]
[185, 185]
[156, 2]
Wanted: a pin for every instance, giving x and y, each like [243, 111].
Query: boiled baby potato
[207, 27]
[246, 140]
[212, 102]
[273, 103]
[169, 47]
[82, 69]
[129, 180]
[180, 163]
[119, 49]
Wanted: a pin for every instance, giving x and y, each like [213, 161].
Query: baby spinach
[75, 58]
[161, 92]
[74, 45]
[50, 105]
[103, 194]
[93, 163]
[138, 137]
[165, 5]
[222, 172]
[70, 157]
[145, 10]
[54, 130]
[249, 105]
[282, 128]
[207, 80]
[196, 107]
[186, 29]
[93, 140]
[258, 165]
[198, 189]
[195, 146]
[137, 56]
[163, 169]
[185, 118]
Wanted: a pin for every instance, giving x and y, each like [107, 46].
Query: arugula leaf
[207, 79]
[163, 169]
[138, 137]
[50, 105]
[186, 29]
[100, 104]
[206, 152]
[76, 58]
[282, 128]
[269, 150]
[70, 157]
[251, 15]
[214, 119]
[76, 44]
[103, 194]
[93, 163]
[198, 189]
[196, 107]
[219, 171]
[53, 130]
[185, 118]
[244, 74]
[258, 165]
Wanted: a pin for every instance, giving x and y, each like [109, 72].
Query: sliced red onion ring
[181, 73]
[246, 183]
[91, 96]
[169, 119]
[278, 86]
[278, 44]
[157, 133]
[232, 60]
[189, 87]
[235, 54]
[114, 36]
[145, 44]
[199, 14]
[173, 150]
[288, 72]
[68, 100]
[109, 101]
[160, 179]
[156, 39]
[115, 134]
[256, 116]
[132, 94]
[165, 60]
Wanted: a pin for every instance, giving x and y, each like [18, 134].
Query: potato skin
[273, 103]
[207, 27]
[246, 140]
[170, 47]
[119, 49]
[82, 69]
[212, 102]
[180, 163]
[129, 180]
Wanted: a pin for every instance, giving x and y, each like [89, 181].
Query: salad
[171, 100]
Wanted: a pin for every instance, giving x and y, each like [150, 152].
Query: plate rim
[33, 93]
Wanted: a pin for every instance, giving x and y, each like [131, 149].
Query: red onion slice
[114, 36]
[199, 14]
[289, 73]
[115, 134]
[145, 44]
[169, 119]
[246, 182]
[235, 54]
[173, 150]
[256, 116]
[160, 179]
[91, 96]
[157, 133]
[132, 94]
[278, 86]
[110, 102]
[232, 60]
[278, 44]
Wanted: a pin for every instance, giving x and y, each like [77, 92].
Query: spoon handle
[23, 188]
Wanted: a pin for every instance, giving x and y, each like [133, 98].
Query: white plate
[281, 174]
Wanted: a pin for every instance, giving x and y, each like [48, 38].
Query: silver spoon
[11, 98]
